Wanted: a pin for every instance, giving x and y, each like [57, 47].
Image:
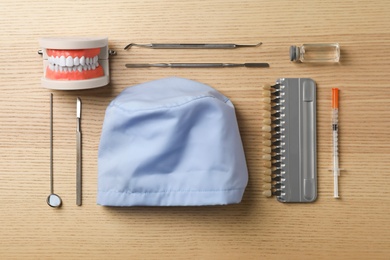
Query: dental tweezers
[192, 45]
[198, 65]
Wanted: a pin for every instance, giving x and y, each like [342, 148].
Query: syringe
[335, 127]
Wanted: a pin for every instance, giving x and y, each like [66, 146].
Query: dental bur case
[73, 73]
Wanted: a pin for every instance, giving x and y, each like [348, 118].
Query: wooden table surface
[357, 226]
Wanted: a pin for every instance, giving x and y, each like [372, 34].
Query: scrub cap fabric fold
[170, 142]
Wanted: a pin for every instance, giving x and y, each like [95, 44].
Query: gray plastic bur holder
[299, 160]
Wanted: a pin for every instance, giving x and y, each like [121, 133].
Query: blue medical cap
[170, 142]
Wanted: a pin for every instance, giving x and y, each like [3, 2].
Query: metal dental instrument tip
[191, 45]
[198, 65]
[78, 154]
[53, 200]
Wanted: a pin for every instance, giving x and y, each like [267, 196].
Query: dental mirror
[53, 200]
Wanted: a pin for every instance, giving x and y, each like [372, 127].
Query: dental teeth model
[75, 63]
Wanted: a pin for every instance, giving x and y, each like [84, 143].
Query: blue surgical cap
[170, 142]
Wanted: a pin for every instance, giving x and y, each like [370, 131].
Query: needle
[78, 148]
[335, 126]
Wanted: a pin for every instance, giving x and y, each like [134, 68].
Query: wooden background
[355, 227]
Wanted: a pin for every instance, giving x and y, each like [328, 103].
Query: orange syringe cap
[335, 98]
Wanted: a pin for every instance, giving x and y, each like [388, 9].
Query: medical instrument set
[289, 123]
[54, 200]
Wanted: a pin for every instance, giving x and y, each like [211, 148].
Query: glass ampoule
[316, 52]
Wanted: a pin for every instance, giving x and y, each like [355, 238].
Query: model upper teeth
[72, 64]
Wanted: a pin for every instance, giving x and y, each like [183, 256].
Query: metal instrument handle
[192, 46]
[78, 154]
[78, 169]
[256, 65]
[196, 65]
[146, 65]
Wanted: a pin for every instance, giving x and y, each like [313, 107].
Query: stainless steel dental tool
[53, 200]
[198, 65]
[78, 154]
[192, 45]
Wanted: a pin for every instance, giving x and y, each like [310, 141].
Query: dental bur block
[75, 63]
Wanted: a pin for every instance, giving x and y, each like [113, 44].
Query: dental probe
[198, 65]
[192, 45]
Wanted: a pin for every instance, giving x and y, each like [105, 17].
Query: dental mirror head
[54, 200]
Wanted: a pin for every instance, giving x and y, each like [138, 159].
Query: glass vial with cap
[316, 52]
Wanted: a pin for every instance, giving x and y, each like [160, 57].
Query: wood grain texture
[355, 227]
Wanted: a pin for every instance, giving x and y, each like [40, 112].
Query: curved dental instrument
[192, 45]
[198, 65]
[53, 200]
